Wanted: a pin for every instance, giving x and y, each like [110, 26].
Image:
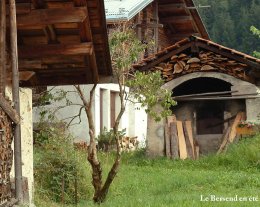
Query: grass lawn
[163, 182]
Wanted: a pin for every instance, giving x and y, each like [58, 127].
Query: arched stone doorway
[210, 118]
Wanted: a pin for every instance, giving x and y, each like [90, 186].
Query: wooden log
[182, 143]
[205, 94]
[225, 140]
[217, 98]
[44, 17]
[178, 68]
[3, 48]
[167, 141]
[187, 140]
[8, 109]
[174, 140]
[193, 60]
[233, 131]
[188, 126]
[52, 50]
[16, 99]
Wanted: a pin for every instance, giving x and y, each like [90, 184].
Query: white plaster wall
[27, 138]
[134, 121]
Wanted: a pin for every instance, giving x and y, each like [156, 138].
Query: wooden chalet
[162, 21]
[216, 88]
[45, 42]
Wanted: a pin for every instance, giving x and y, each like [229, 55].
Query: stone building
[211, 84]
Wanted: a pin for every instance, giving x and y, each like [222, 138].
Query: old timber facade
[43, 42]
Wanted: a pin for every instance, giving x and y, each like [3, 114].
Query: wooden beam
[49, 30]
[21, 8]
[164, 57]
[59, 79]
[221, 51]
[39, 4]
[176, 19]
[149, 25]
[25, 75]
[43, 17]
[3, 48]
[205, 94]
[16, 100]
[182, 143]
[171, 6]
[50, 33]
[181, 35]
[156, 28]
[174, 141]
[85, 36]
[9, 110]
[218, 98]
[24, 64]
[40, 51]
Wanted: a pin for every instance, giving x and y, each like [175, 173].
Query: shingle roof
[199, 42]
[123, 10]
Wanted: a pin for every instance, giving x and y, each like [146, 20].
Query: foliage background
[228, 22]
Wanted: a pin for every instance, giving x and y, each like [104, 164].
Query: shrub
[59, 169]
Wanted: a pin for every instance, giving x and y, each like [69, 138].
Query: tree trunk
[92, 150]
[101, 191]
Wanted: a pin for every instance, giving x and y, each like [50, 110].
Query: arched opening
[201, 85]
[210, 115]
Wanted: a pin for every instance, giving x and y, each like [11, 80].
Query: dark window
[112, 108]
[210, 118]
[101, 110]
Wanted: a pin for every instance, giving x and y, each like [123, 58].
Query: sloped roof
[193, 46]
[62, 42]
[180, 18]
[123, 10]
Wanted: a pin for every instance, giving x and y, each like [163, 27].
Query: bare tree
[145, 88]
[125, 49]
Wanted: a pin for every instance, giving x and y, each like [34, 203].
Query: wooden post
[174, 140]
[167, 141]
[15, 91]
[156, 34]
[3, 48]
[182, 143]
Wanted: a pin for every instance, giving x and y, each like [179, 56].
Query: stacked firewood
[6, 156]
[129, 143]
[205, 61]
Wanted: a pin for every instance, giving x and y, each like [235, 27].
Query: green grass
[163, 182]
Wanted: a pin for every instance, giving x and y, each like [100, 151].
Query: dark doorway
[210, 118]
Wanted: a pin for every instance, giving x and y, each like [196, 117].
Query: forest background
[228, 22]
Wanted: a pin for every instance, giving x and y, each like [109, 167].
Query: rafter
[51, 50]
[52, 16]
[171, 6]
[86, 35]
[176, 19]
